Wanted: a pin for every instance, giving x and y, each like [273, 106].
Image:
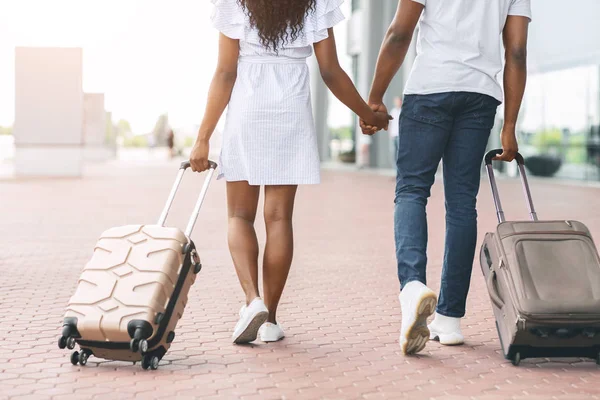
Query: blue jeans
[453, 127]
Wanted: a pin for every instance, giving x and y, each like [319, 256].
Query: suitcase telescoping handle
[184, 166]
[490, 170]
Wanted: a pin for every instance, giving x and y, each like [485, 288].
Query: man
[449, 110]
[394, 129]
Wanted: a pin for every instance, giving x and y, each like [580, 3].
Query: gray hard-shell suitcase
[543, 278]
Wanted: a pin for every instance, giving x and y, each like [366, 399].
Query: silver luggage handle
[184, 166]
[490, 170]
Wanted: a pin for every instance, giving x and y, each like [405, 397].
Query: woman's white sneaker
[271, 332]
[418, 302]
[446, 330]
[251, 319]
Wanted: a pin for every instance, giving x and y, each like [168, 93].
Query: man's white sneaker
[271, 332]
[418, 302]
[446, 330]
[251, 319]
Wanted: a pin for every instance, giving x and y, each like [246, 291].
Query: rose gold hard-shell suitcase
[133, 291]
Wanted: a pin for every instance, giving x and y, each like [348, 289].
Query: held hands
[199, 156]
[510, 147]
[380, 120]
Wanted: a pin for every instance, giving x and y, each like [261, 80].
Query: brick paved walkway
[340, 309]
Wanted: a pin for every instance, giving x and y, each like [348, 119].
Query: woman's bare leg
[279, 207]
[242, 201]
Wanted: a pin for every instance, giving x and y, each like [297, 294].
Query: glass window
[559, 123]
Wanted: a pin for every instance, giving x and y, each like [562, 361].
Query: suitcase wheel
[71, 342]
[75, 358]
[138, 345]
[68, 342]
[143, 346]
[516, 360]
[83, 358]
[151, 362]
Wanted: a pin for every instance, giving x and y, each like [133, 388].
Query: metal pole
[165, 212]
[196, 212]
[495, 194]
[524, 181]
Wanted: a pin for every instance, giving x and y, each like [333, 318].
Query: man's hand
[370, 129]
[510, 147]
[199, 156]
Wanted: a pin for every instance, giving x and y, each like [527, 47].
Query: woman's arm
[341, 85]
[218, 98]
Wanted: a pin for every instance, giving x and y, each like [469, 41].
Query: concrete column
[94, 128]
[370, 43]
[320, 105]
[396, 89]
[597, 120]
[48, 111]
[377, 16]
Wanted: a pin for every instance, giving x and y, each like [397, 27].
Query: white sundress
[269, 136]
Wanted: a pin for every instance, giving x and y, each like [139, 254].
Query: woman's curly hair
[278, 21]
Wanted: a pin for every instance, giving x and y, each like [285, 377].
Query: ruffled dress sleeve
[229, 18]
[328, 13]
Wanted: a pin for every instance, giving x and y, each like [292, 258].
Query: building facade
[559, 126]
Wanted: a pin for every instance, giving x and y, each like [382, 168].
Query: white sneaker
[271, 332]
[251, 318]
[418, 302]
[446, 330]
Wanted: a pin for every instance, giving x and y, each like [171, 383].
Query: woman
[269, 138]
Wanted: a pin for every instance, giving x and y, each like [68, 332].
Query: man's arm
[394, 48]
[340, 83]
[515, 78]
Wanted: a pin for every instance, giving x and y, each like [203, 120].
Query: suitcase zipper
[545, 233]
[561, 318]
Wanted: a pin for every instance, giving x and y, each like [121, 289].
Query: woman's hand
[199, 156]
[380, 120]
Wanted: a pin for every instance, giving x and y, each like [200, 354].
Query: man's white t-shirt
[394, 129]
[459, 48]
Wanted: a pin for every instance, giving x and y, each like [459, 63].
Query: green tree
[109, 132]
[136, 141]
[5, 130]
[550, 138]
[124, 127]
[341, 133]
